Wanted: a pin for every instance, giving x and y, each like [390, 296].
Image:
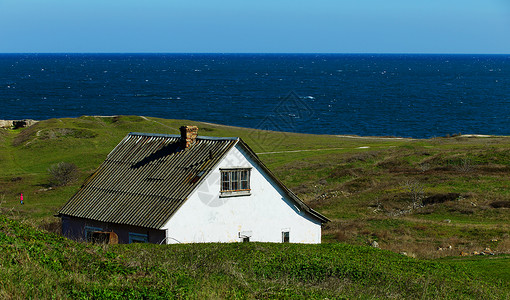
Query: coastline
[23, 123]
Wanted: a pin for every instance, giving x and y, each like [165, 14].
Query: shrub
[415, 192]
[62, 173]
[500, 204]
[440, 198]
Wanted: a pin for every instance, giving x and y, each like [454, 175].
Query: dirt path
[322, 149]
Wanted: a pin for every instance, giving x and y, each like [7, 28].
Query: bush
[500, 204]
[415, 192]
[62, 173]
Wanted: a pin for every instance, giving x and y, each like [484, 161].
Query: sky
[255, 26]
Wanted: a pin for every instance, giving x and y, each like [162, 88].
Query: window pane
[138, 238]
[88, 232]
[225, 184]
[224, 176]
[245, 180]
[235, 180]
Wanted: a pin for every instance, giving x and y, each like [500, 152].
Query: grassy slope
[27, 154]
[35, 264]
[359, 188]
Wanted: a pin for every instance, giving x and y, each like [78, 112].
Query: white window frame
[138, 238]
[235, 182]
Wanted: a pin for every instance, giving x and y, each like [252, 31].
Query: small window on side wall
[285, 237]
[138, 238]
[88, 232]
[245, 236]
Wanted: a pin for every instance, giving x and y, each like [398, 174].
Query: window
[235, 182]
[104, 237]
[285, 237]
[245, 236]
[138, 238]
[88, 232]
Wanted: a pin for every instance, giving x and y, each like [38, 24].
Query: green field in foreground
[37, 264]
[431, 199]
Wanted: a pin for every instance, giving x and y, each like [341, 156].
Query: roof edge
[200, 137]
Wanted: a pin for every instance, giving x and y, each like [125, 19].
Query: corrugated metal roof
[145, 179]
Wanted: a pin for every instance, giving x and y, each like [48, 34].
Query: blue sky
[276, 26]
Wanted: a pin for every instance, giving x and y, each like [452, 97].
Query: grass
[356, 182]
[36, 264]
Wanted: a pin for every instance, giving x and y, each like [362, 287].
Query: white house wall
[263, 215]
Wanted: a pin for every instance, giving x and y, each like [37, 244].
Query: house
[160, 188]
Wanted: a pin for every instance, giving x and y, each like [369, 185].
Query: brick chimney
[188, 136]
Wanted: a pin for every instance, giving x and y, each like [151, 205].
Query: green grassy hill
[37, 264]
[423, 198]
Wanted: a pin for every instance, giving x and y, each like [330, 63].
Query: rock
[447, 221]
[375, 244]
[412, 255]
[15, 124]
[449, 247]
[462, 253]
[487, 251]
[5, 124]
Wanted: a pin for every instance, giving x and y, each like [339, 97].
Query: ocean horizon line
[256, 53]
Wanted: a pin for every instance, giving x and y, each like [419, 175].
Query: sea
[401, 95]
